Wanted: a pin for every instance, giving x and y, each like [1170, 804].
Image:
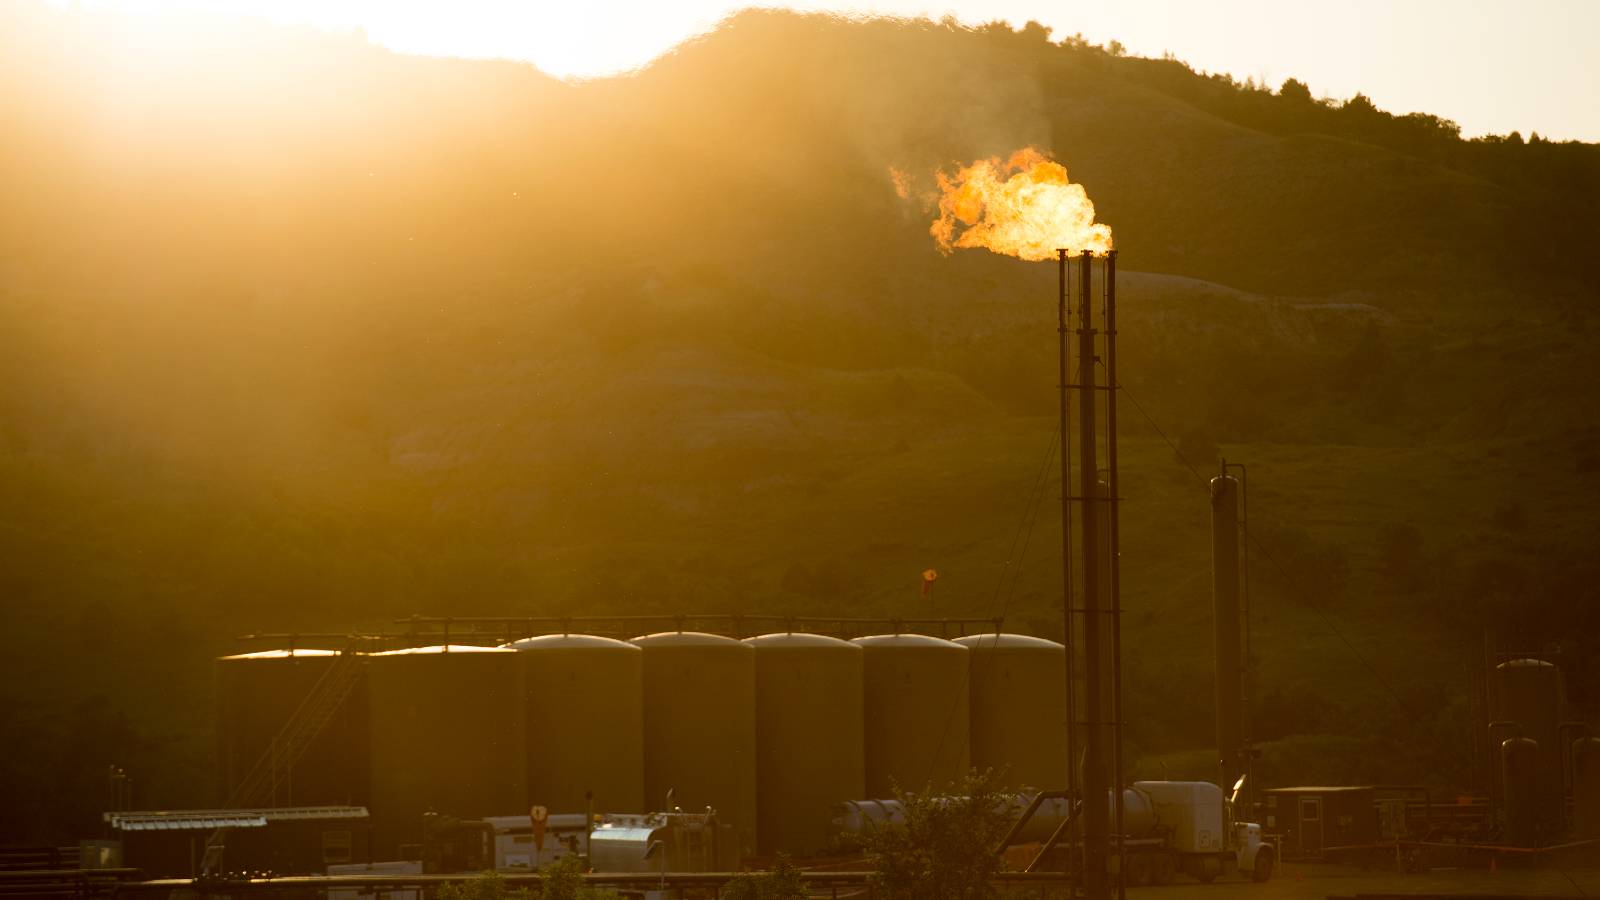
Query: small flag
[929, 576]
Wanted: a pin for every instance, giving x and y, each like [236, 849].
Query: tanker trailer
[1169, 827]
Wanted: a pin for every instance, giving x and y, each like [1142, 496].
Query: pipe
[1247, 678]
[1063, 299]
[1225, 619]
[1114, 554]
[1095, 824]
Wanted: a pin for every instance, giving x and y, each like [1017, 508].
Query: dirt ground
[1305, 881]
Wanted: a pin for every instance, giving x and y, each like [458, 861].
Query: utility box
[1192, 809]
[1313, 820]
[517, 847]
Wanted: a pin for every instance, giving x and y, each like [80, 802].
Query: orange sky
[1494, 67]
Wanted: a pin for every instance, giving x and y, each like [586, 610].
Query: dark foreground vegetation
[297, 333]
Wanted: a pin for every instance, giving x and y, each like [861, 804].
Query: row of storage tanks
[770, 731]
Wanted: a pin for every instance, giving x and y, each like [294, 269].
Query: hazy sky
[1493, 66]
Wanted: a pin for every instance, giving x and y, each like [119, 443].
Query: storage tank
[447, 730]
[585, 722]
[700, 730]
[1529, 692]
[256, 695]
[809, 750]
[1018, 696]
[916, 719]
[1586, 788]
[1519, 773]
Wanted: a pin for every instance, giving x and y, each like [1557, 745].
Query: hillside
[297, 333]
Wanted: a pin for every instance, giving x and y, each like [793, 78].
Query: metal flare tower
[1091, 601]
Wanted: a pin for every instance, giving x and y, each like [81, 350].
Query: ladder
[271, 775]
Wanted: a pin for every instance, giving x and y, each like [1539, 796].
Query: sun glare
[1386, 51]
[564, 40]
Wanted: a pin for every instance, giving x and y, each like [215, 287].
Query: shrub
[488, 886]
[944, 848]
[782, 883]
[563, 880]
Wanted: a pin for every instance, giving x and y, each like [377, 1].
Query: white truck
[1189, 827]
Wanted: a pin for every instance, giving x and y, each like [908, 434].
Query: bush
[944, 848]
[782, 883]
[488, 886]
[563, 880]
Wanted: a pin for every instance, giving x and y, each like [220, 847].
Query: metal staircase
[272, 775]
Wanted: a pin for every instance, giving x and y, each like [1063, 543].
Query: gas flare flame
[1024, 207]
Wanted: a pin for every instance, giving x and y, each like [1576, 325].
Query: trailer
[1168, 828]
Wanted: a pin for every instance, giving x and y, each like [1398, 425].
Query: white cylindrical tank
[585, 722]
[700, 729]
[1018, 694]
[809, 751]
[916, 713]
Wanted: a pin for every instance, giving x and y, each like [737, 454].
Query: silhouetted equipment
[1586, 788]
[810, 750]
[1520, 776]
[700, 728]
[1311, 819]
[169, 843]
[447, 737]
[451, 844]
[661, 842]
[1226, 627]
[917, 725]
[585, 722]
[1018, 709]
[1526, 700]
